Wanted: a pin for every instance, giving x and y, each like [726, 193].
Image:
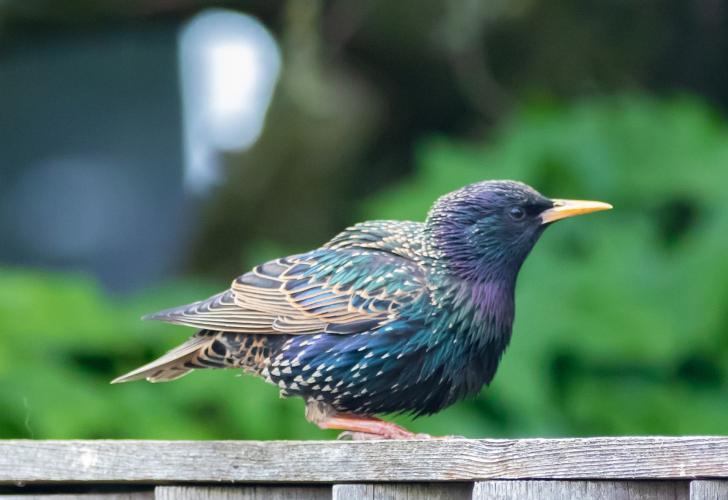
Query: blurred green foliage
[622, 323]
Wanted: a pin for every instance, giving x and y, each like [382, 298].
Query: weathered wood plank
[242, 493]
[403, 491]
[583, 490]
[153, 462]
[708, 490]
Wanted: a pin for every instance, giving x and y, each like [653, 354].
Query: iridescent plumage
[387, 317]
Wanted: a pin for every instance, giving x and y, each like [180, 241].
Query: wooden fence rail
[590, 468]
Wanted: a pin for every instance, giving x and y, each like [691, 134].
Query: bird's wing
[344, 290]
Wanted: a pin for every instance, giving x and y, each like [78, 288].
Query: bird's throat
[476, 311]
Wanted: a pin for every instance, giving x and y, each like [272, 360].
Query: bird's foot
[359, 427]
[375, 427]
[366, 436]
[357, 436]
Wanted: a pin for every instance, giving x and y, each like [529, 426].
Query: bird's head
[487, 229]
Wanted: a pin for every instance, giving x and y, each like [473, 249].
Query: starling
[387, 317]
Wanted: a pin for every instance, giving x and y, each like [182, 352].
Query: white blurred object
[229, 66]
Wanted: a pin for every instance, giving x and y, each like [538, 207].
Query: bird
[388, 317]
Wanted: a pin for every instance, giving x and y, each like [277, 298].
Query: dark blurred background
[152, 150]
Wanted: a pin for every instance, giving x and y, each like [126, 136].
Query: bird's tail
[178, 362]
[206, 349]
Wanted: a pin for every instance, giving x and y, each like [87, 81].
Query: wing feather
[332, 289]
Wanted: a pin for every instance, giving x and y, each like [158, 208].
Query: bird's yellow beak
[569, 208]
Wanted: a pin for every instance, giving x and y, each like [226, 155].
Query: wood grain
[708, 490]
[241, 493]
[154, 462]
[582, 490]
[403, 491]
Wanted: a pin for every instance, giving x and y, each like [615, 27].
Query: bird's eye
[517, 213]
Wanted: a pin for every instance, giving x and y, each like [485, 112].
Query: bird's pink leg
[372, 426]
[356, 427]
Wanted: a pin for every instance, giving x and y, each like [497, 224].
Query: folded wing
[334, 290]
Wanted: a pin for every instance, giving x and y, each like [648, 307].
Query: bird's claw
[429, 436]
[365, 436]
[357, 436]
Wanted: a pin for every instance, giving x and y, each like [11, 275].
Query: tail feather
[173, 365]
[207, 349]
